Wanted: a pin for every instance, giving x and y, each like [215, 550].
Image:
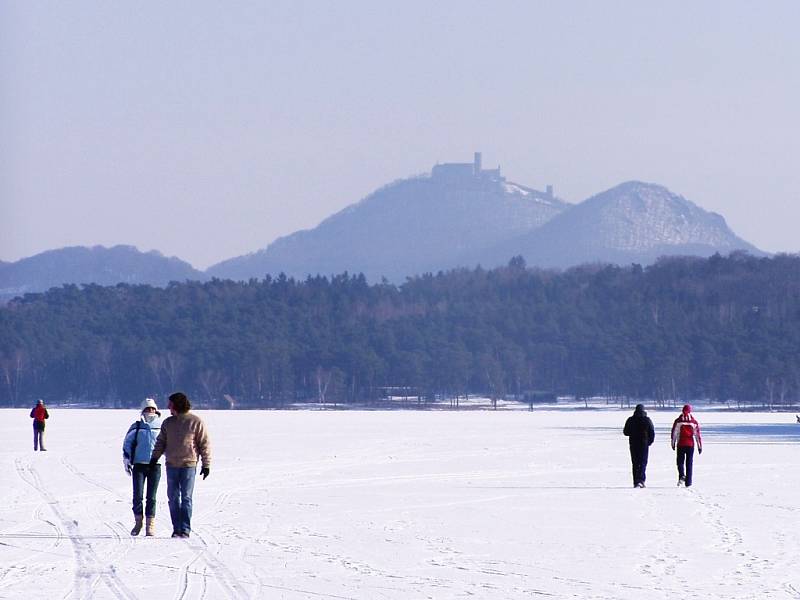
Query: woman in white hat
[136, 450]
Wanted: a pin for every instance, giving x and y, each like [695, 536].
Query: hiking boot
[150, 527]
[138, 526]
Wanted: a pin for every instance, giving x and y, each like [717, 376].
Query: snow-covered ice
[404, 504]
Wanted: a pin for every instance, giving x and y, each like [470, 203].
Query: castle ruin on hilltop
[465, 172]
[473, 175]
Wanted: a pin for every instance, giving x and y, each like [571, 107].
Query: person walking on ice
[39, 414]
[685, 434]
[183, 437]
[640, 432]
[137, 449]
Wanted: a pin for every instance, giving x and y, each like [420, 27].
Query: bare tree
[102, 369]
[173, 365]
[11, 369]
[212, 382]
[156, 365]
[323, 377]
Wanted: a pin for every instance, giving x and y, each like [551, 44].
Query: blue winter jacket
[145, 434]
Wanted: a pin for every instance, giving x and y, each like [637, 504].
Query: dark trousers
[639, 463]
[685, 456]
[38, 436]
[152, 475]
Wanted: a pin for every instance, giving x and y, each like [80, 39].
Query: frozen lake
[400, 505]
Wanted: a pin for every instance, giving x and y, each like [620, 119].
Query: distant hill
[458, 215]
[100, 265]
[411, 226]
[634, 222]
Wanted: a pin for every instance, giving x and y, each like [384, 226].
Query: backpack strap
[135, 440]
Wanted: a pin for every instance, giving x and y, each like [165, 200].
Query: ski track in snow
[90, 480]
[19, 534]
[220, 572]
[183, 582]
[89, 570]
[206, 548]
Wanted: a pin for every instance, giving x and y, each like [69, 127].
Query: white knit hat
[149, 403]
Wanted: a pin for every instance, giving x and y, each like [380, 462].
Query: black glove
[205, 472]
[699, 450]
[153, 462]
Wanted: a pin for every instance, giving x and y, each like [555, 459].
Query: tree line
[725, 329]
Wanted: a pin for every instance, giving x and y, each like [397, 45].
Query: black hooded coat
[639, 429]
[640, 432]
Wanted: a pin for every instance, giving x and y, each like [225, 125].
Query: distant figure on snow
[183, 437]
[640, 432]
[685, 434]
[39, 414]
[137, 450]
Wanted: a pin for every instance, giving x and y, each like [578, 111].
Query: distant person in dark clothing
[39, 414]
[685, 436]
[640, 432]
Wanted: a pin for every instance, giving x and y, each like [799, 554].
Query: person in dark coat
[640, 432]
[39, 414]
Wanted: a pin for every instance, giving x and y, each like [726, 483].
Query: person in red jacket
[39, 414]
[685, 435]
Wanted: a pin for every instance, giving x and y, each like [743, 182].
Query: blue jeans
[152, 475]
[180, 485]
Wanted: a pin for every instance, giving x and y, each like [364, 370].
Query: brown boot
[150, 529]
[138, 526]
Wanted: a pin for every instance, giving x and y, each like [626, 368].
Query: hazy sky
[206, 130]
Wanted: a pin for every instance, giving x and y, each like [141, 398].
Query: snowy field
[403, 505]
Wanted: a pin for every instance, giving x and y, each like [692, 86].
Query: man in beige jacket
[183, 437]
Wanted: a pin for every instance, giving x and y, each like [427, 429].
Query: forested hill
[720, 328]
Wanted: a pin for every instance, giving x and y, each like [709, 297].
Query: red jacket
[39, 413]
[685, 430]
